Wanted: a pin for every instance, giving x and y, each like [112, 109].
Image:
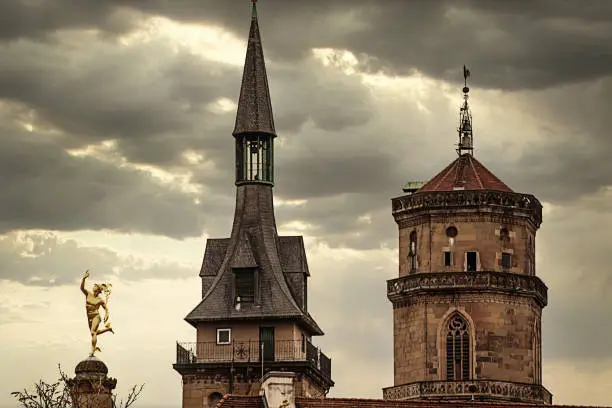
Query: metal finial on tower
[254, 12]
[466, 137]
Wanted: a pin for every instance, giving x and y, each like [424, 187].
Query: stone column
[91, 388]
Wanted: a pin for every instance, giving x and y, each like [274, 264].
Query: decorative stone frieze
[527, 393]
[506, 203]
[521, 285]
[465, 298]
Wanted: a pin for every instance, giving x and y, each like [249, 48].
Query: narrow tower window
[506, 260]
[504, 236]
[447, 258]
[457, 349]
[471, 261]
[412, 251]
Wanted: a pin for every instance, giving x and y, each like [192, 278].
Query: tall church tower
[253, 316]
[467, 305]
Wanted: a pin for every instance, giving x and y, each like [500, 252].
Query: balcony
[290, 352]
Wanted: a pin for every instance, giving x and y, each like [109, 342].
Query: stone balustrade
[476, 389]
[510, 283]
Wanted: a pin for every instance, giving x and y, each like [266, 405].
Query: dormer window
[244, 285]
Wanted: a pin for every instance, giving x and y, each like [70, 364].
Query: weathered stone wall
[503, 331]
[199, 390]
[305, 387]
[476, 232]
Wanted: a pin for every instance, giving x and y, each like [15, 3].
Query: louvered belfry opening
[254, 158]
[457, 349]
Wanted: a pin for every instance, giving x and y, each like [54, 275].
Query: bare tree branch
[57, 395]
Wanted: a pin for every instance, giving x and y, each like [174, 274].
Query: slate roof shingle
[254, 242]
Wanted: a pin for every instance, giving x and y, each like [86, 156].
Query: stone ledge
[478, 389]
[510, 283]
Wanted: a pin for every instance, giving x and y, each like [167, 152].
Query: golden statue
[92, 304]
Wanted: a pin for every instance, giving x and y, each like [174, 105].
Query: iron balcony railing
[251, 351]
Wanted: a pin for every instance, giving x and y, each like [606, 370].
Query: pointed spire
[254, 106]
[466, 137]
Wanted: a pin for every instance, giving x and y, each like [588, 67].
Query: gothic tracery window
[457, 349]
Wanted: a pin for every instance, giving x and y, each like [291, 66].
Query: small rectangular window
[471, 261]
[224, 336]
[506, 260]
[447, 258]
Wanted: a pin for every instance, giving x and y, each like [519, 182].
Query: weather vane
[93, 302]
[466, 136]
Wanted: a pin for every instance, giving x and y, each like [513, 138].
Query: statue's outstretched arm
[85, 276]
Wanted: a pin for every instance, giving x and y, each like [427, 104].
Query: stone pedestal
[91, 388]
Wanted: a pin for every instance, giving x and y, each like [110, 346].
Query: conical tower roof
[254, 106]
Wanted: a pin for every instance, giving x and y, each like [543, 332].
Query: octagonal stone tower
[467, 305]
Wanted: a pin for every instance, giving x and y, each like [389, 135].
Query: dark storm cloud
[39, 19]
[43, 259]
[520, 45]
[152, 102]
[574, 259]
[568, 156]
[46, 188]
[96, 91]
[510, 45]
[335, 142]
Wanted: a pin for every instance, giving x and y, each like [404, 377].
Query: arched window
[412, 251]
[457, 349]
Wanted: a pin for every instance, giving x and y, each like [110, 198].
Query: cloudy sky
[116, 155]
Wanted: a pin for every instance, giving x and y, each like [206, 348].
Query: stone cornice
[504, 204]
[403, 288]
[479, 389]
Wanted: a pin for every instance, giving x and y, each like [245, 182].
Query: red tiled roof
[465, 173]
[236, 401]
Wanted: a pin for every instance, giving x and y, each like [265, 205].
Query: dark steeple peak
[254, 106]
[466, 136]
